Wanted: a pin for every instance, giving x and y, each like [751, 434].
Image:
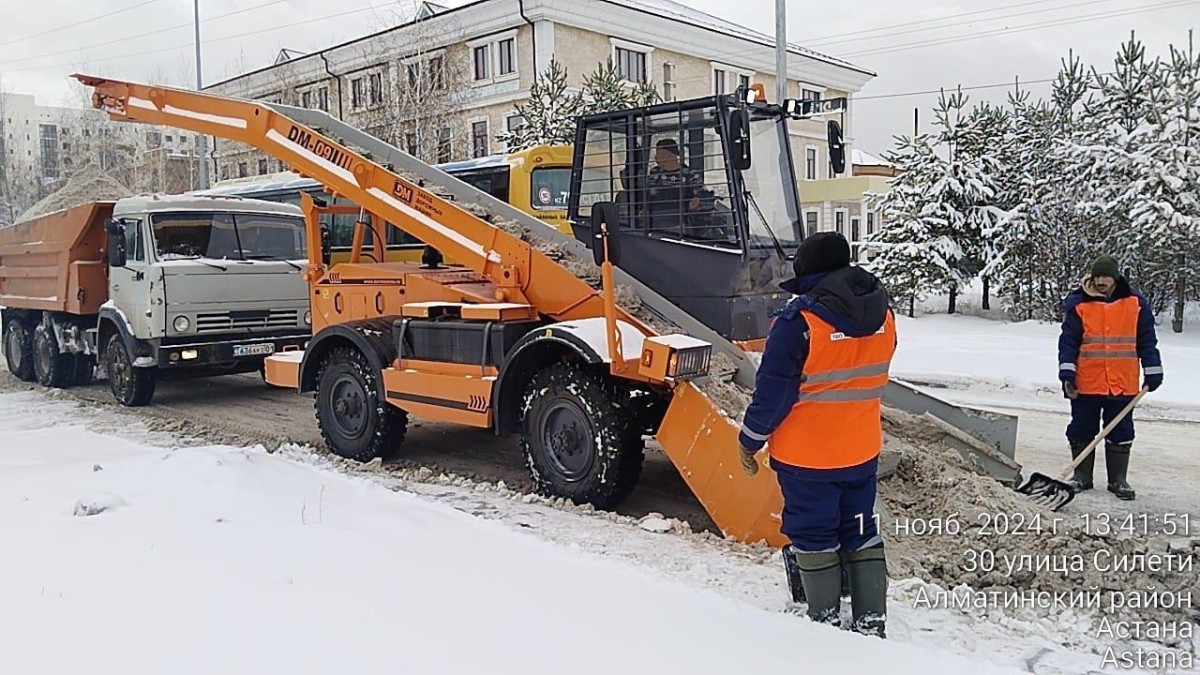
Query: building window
[812, 222]
[410, 143]
[718, 81]
[855, 236]
[262, 167]
[225, 172]
[631, 64]
[445, 145]
[810, 94]
[839, 221]
[479, 139]
[727, 78]
[810, 163]
[668, 83]
[323, 98]
[483, 62]
[508, 56]
[306, 99]
[48, 135]
[744, 81]
[357, 93]
[242, 170]
[375, 81]
[436, 73]
[870, 223]
[514, 122]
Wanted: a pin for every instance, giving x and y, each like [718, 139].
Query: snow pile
[89, 184]
[1007, 543]
[233, 560]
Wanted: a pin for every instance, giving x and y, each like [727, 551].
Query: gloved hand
[1153, 381]
[1069, 390]
[749, 464]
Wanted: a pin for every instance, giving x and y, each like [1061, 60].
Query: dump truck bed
[56, 262]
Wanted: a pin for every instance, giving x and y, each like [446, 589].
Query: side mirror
[117, 255]
[606, 213]
[837, 150]
[326, 246]
[739, 138]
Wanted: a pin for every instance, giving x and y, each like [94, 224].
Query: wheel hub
[348, 404]
[567, 435]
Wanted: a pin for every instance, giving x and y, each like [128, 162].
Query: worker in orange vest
[1107, 328]
[816, 406]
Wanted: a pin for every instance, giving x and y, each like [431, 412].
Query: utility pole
[780, 52]
[201, 140]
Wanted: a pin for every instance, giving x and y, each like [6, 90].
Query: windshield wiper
[197, 258]
[778, 247]
[263, 256]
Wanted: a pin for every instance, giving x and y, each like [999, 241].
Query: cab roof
[193, 202]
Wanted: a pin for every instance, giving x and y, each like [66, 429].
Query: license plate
[254, 350]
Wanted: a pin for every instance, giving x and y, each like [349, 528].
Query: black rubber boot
[1082, 477]
[868, 590]
[1116, 462]
[791, 565]
[821, 574]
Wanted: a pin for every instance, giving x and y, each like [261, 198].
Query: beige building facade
[445, 85]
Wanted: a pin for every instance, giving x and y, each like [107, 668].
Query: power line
[865, 31]
[969, 22]
[77, 23]
[127, 38]
[1017, 29]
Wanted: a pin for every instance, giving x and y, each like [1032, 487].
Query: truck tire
[355, 422]
[52, 368]
[132, 387]
[576, 441]
[18, 350]
[85, 370]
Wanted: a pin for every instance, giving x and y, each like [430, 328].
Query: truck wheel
[131, 386]
[576, 442]
[85, 370]
[52, 368]
[18, 350]
[354, 421]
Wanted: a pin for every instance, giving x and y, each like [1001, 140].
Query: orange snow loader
[508, 338]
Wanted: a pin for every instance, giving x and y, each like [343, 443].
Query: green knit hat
[1106, 266]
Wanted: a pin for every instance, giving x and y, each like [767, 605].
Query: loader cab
[708, 210]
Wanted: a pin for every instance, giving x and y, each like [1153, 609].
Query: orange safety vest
[836, 422]
[1108, 358]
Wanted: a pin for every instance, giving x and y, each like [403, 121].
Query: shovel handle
[1103, 432]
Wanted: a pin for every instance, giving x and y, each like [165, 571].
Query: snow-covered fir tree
[549, 113]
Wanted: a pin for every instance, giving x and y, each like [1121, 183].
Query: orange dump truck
[151, 287]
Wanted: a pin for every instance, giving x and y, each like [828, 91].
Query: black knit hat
[1106, 266]
[822, 252]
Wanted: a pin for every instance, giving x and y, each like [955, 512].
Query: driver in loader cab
[673, 190]
[816, 406]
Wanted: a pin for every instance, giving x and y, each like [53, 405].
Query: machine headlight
[308, 317]
[181, 324]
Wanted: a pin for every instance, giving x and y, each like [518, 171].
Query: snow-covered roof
[860, 158]
[674, 10]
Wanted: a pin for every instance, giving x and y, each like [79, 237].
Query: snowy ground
[219, 559]
[130, 557]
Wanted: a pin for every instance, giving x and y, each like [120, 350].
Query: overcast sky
[39, 46]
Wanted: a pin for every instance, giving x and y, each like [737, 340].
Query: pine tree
[549, 113]
[605, 90]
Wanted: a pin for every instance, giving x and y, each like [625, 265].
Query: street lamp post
[201, 140]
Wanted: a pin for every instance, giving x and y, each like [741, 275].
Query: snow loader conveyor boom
[379, 349]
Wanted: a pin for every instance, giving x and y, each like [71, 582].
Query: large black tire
[132, 387]
[52, 368]
[576, 441]
[18, 350]
[85, 370]
[355, 422]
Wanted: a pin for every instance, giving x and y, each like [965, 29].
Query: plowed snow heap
[89, 184]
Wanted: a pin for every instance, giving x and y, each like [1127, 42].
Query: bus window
[549, 186]
[492, 181]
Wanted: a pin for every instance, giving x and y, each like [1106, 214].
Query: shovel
[1056, 493]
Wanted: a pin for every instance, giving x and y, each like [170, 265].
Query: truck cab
[199, 286]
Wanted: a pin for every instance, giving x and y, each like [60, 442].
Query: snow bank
[1024, 355]
[232, 560]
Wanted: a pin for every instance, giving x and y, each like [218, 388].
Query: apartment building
[443, 85]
